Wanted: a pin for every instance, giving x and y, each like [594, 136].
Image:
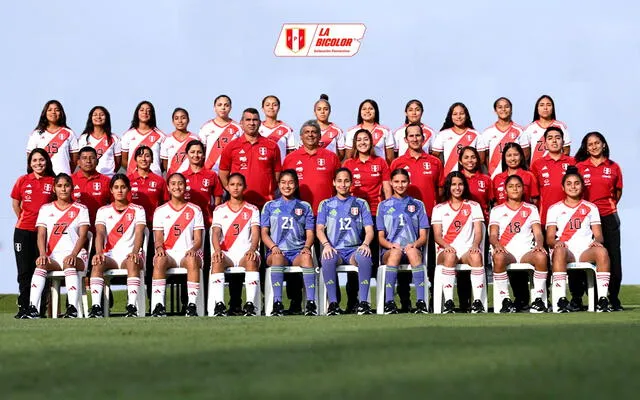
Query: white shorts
[178, 255]
[59, 256]
[577, 251]
[236, 256]
[119, 257]
[459, 250]
[518, 252]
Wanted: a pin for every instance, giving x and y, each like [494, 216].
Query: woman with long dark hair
[514, 162]
[143, 132]
[331, 136]
[369, 119]
[97, 134]
[544, 117]
[413, 115]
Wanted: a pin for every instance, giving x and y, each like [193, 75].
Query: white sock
[97, 287]
[558, 286]
[216, 285]
[602, 281]
[193, 288]
[501, 285]
[477, 282]
[448, 282]
[539, 284]
[158, 287]
[37, 285]
[72, 283]
[133, 286]
[252, 284]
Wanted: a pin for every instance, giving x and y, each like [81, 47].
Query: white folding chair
[518, 267]
[257, 301]
[402, 268]
[268, 290]
[179, 271]
[591, 275]
[323, 302]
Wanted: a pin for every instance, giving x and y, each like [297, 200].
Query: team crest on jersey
[583, 211]
[72, 214]
[187, 215]
[513, 135]
[152, 139]
[375, 168]
[465, 212]
[97, 186]
[355, 211]
[426, 165]
[205, 182]
[564, 166]
[262, 151]
[524, 213]
[481, 184]
[298, 211]
[469, 137]
[152, 184]
[47, 187]
[321, 162]
[245, 215]
[61, 136]
[606, 171]
[129, 217]
[411, 208]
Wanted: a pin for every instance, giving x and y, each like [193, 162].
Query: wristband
[325, 244]
[273, 247]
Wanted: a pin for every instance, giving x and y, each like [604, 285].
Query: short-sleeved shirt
[174, 151]
[281, 134]
[344, 221]
[107, 151]
[120, 226]
[215, 138]
[549, 173]
[426, 174]
[401, 219]
[530, 189]
[148, 192]
[133, 138]
[32, 193]
[236, 226]
[449, 143]
[457, 225]
[382, 138]
[515, 227]
[535, 136]
[401, 145]
[63, 226]
[202, 187]
[332, 138]
[92, 191]
[601, 183]
[495, 140]
[367, 179]
[178, 225]
[59, 145]
[481, 191]
[288, 222]
[574, 223]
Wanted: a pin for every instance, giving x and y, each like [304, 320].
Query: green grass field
[581, 355]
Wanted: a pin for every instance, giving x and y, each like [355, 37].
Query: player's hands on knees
[395, 246]
[160, 252]
[216, 257]
[191, 253]
[408, 248]
[540, 249]
[250, 255]
[449, 249]
[328, 252]
[499, 249]
[560, 245]
[474, 250]
[97, 259]
[305, 250]
[276, 250]
[364, 250]
[133, 257]
[70, 260]
[595, 244]
[41, 261]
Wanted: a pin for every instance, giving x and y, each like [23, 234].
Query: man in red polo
[90, 187]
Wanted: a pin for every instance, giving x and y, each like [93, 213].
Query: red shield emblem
[481, 184]
[97, 186]
[355, 210]
[298, 211]
[72, 214]
[564, 166]
[47, 187]
[152, 184]
[262, 151]
[465, 212]
[130, 217]
[187, 215]
[205, 183]
[321, 162]
[295, 39]
[374, 168]
[411, 208]
[426, 165]
[606, 171]
[525, 214]
[245, 215]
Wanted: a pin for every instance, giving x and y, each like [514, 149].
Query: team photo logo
[295, 39]
[355, 211]
[319, 40]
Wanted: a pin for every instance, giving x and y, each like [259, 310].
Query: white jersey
[132, 139]
[332, 138]
[178, 227]
[215, 138]
[574, 224]
[175, 152]
[282, 134]
[450, 143]
[515, 227]
[457, 225]
[59, 144]
[120, 227]
[535, 137]
[495, 140]
[236, 226]
[382, 139]
[401, 145]
[107, 152]
[62, 226]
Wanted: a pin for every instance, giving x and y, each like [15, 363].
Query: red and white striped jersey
[535, 136]
[457, 225]
[175, 152]
[59, 144]
[332, 138]
[495, 140]
[515, 227]
[282, 134]
[107, 152]
[178, 225]
[120, 226]
[215, 138]
[236, 226]
[382, 139]
[401, 146]
[574, 223]
[449, 144]
[132, 139]
[62, 226]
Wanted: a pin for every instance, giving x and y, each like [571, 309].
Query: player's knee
[251, 266]
[305, 260]
[499, 261]
[475, 259]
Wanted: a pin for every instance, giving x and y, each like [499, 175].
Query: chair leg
[380, 283]
[142, 296]
[437, 290]
[55, 297]
[590, 289]
[105, 296]
[268, 292]
[200, 298]
[322, 294]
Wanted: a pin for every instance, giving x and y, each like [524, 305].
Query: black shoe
[96, 311]
[364, 308]
[603, 305]
[249, 309]
[334, 309]
[615, 305]
[295, 308]
[576, 305]
[159, 311]
[520, 305]
[191, 310]
[563, 305]
[235, 311]
[72, 312]
[220, 310]
[352, 308]
[507, 306]
[421, 307]
[278, 309]
[132, 311]
[31, 313]
[21, 313]
[477, 307]
[390, 307]
[405, 307]
[311, 309]
[538, 306]
[449, 307]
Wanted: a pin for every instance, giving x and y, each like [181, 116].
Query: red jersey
[481, 192]
[258, 162]
[202, 187]
[315, 173]
[549, 173]
[367, 179]
[427, 175]
[601, 184]
[32, 193]
[530, 189]
[92, 191]
[149, 192]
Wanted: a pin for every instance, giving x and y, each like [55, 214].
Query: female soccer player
[502, 132]
[235, 236]
[53, 135]
[402, 231]
[603, 187]
[274, 129]
[97, 134]
[345, 230]
[413, 115]
[287, 230]
[514, 162]
[369, 119]
[173, 152]
[457, 228]
[143, 132]
[516, 236]
[177, 227]
[119, 238]
[218, 132]
[62, 232]
[574, 234]
[544, 117]
[331, 136]
[456, 132]
[479, 183]
[30, 192]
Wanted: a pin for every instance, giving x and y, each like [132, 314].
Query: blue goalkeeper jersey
[401, 219]
[344, 221]
[288, 221]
